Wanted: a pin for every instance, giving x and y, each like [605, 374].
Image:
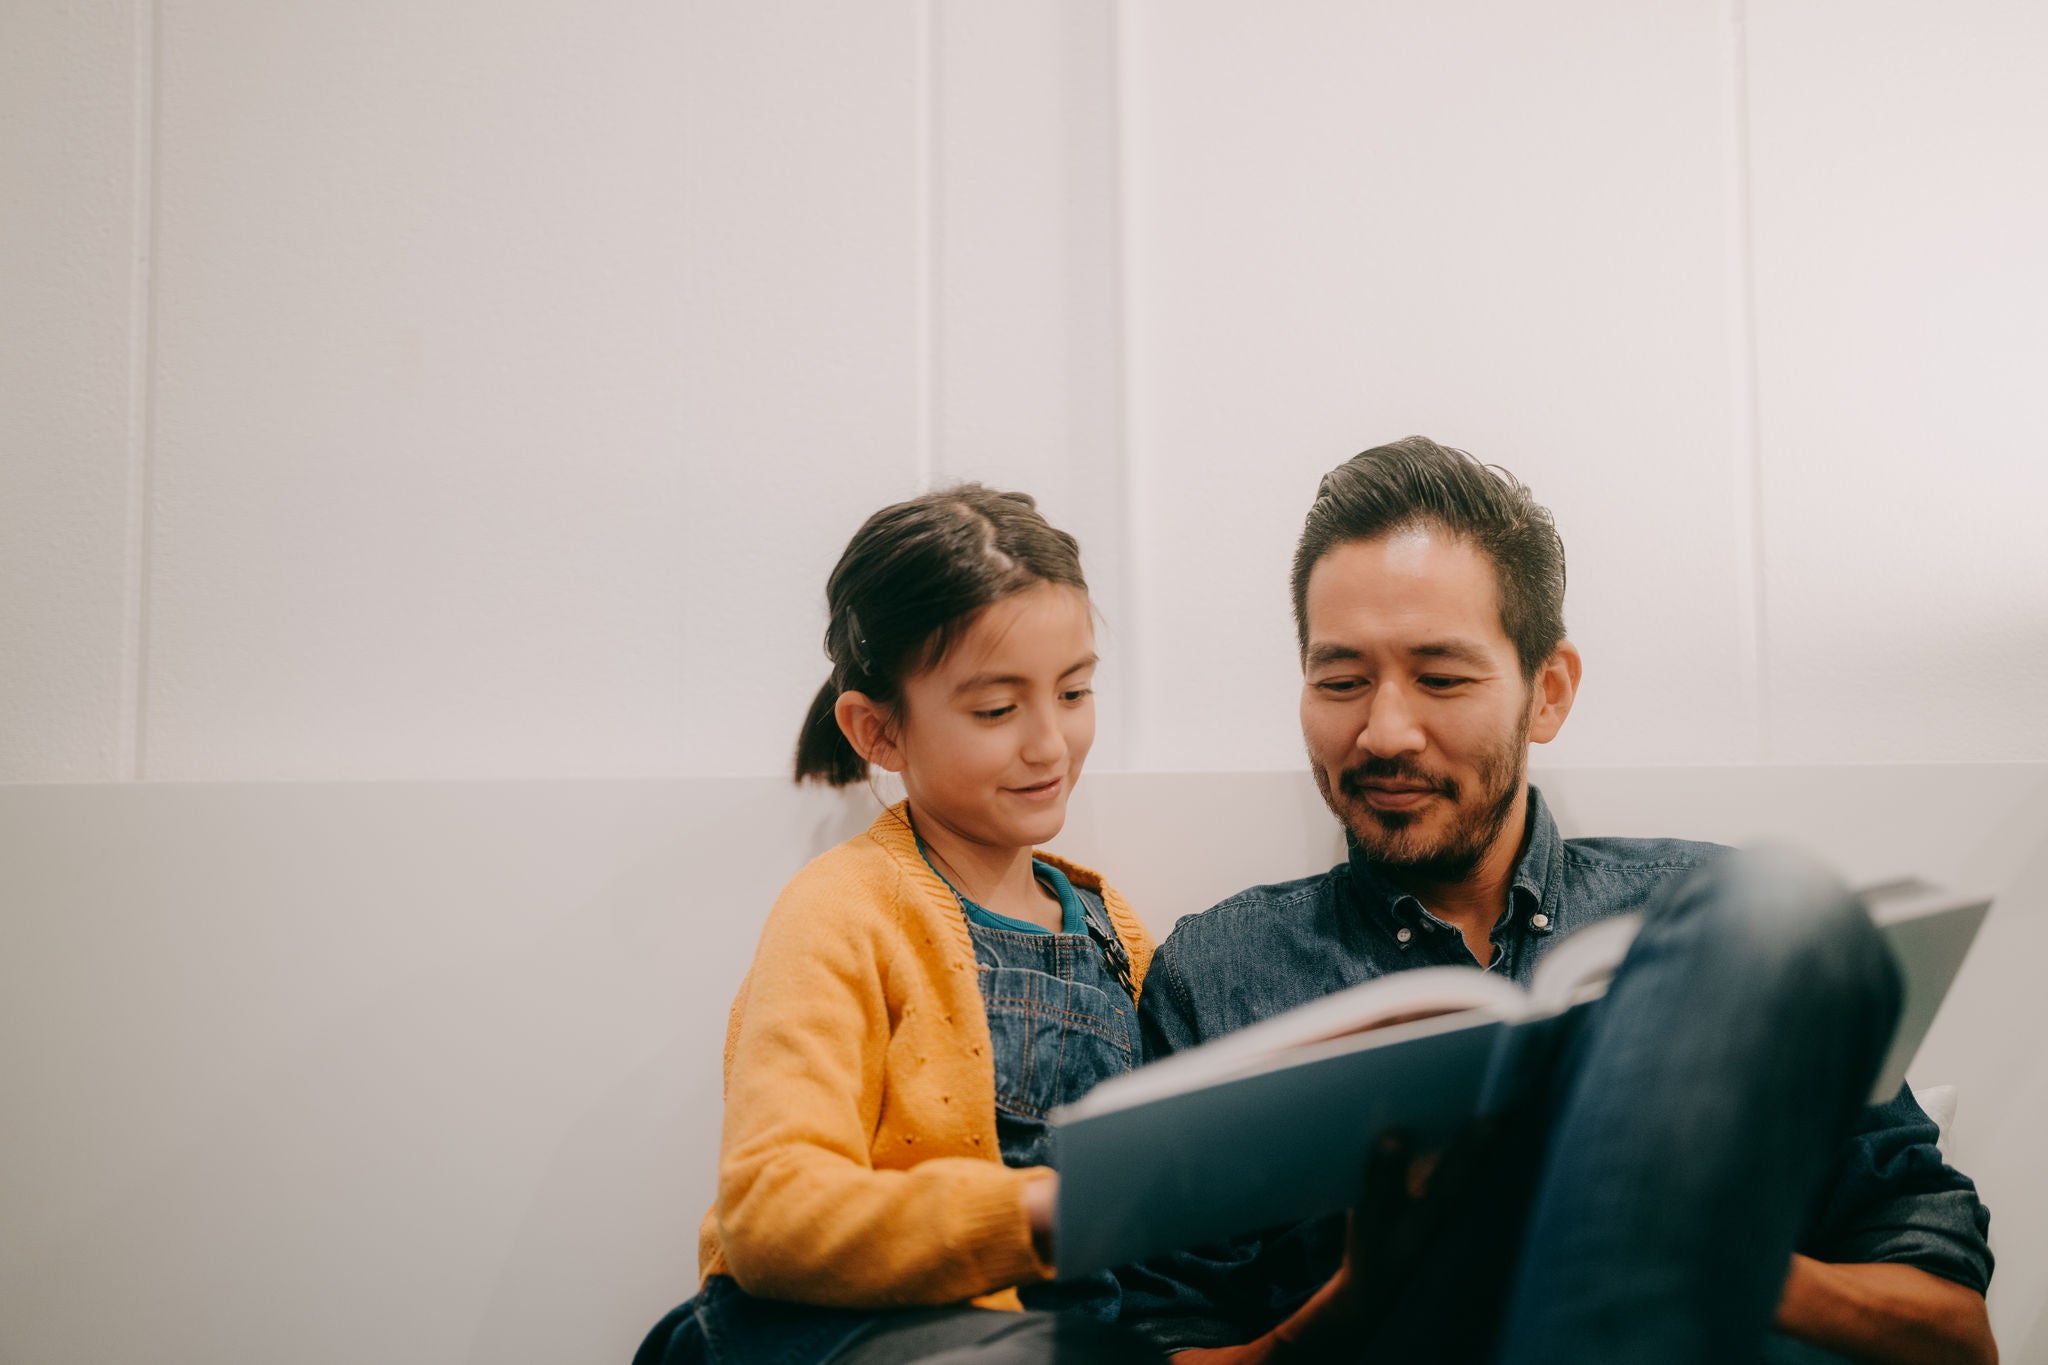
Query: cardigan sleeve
[803, 1214]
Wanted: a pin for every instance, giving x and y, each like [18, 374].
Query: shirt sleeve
[1166, 1012]
[1891, 1197]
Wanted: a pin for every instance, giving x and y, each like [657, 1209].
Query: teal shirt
[1071, 913]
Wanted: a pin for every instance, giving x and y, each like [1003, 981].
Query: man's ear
[1550, 701]
[869, 728]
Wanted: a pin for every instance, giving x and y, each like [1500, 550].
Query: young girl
[926, 993]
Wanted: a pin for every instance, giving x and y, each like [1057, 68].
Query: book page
[1930, 931]
[1579, 968]
[1420, 994]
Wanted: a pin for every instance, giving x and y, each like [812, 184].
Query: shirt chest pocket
[1052, 1039]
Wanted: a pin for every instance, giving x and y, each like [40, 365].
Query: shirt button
[1539, 921]
[1403, 935]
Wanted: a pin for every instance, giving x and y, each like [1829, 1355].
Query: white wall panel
[429, 1072]
[1027, 385]
[1901, 212]
[800, 357]
[70, 80]
[519, 374]
[1499, 226]
[518, 368]
[420, 492]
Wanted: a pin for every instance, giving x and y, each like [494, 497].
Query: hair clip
[859, 646]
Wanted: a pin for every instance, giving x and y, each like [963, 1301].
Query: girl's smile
[1043, 791]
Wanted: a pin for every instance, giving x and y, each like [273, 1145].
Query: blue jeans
[1643, 1204]
[951, 1335]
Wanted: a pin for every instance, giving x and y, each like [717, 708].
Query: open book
[1271, 1124]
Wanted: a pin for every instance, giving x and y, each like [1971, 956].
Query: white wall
[396, 1072]
[457, 391]
[395, 391]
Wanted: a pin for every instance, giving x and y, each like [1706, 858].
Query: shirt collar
[1541, 861]
[1540, 864]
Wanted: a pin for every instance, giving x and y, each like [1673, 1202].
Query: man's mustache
[1405, 771]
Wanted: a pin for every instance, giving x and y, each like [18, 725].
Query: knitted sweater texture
[859, 1165]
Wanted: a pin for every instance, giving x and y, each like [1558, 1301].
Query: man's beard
[1389, 838]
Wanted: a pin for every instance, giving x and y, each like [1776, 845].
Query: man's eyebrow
[1331, 654]
[981, 680]
[1457, 651]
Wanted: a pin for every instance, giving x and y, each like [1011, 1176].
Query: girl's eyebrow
[981, 680]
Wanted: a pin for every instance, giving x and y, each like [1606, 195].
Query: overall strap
[1096, 915]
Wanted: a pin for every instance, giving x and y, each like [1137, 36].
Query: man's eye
[1341, 685]
[1440, 684]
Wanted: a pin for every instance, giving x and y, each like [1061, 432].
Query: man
[1695, 1176]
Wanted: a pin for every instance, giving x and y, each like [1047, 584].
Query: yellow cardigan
[859, 1166]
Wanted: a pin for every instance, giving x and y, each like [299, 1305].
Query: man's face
[1413, 704]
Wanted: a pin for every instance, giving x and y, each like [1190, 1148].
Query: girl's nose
[1044, 742]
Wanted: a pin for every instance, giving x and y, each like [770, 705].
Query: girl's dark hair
[911, 580]
[1415, 481]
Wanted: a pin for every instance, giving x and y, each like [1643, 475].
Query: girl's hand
[1041, 1202]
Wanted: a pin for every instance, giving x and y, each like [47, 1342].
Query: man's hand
[1399, 1215]
[1886, 1314]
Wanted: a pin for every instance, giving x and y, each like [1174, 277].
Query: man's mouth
[1396, 792]
[1390, 796]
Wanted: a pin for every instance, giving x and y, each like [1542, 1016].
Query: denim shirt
[1271, 948]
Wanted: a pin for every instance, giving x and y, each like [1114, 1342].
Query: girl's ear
[869, 728]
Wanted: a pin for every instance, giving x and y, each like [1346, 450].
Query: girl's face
[991, 740]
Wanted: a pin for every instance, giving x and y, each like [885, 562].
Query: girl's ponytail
[823, 752]
[912, 578]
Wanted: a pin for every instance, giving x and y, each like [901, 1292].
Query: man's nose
[1391, 725]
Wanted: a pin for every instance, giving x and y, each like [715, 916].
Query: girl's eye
[997, 714]
[1076, 693]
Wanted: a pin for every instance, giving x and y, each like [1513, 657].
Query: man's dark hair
[1416, 482]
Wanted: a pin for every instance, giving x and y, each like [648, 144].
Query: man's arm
[1886, 1314]
[1895, 1265]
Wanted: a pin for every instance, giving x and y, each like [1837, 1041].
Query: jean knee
[1779, 917]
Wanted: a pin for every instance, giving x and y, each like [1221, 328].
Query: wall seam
[1129, 419]
[1751, 565]
[142, 347]
[927, 247]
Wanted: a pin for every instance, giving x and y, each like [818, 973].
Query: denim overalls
[1059, 1020]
